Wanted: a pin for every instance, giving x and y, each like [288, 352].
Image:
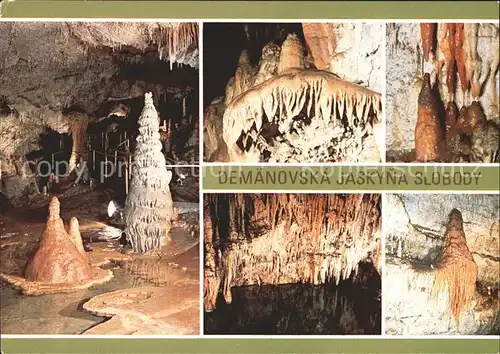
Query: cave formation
[72, 135]
[455, 66]
[263, 243]
[72, 100]
[293, 93]
[442, 264]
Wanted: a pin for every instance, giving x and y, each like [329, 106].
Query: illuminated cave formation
[461, 62]
[259, 239]
[149, 207]
[59, 263]
[57, 258]
[285, 110]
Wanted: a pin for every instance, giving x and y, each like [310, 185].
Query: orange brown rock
[476, 114]
[427, 32]
[76, 237]
[427, 129]
[460, 56]
[57, 259]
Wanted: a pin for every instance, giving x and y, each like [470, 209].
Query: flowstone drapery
[149, 207]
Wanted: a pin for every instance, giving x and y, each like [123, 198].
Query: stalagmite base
[286, 238]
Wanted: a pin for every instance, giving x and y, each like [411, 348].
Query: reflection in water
[297, 309]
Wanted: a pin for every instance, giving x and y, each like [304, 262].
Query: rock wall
[414, 225]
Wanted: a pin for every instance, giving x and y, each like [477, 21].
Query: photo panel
[99, 155]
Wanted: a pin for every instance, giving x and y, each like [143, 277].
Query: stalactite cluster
[457, 52]
[149, 207]
[286, 112]
[457, 271]
[286, 238]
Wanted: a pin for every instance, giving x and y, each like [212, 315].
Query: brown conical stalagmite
[457, 269]
[427, 130]
[76, 237]
[57, 259]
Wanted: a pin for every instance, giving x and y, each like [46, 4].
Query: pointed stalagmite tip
[54, 209]
[148, 98]
[426, 98]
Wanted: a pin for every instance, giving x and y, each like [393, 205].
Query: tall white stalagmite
[149, 206]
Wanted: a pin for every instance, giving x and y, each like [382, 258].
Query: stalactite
[427, 130]
[427, 32]
[447, 45]
[457, 270]
[76, 237]
[149, 208]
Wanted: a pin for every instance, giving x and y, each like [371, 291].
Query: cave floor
[170, 278]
